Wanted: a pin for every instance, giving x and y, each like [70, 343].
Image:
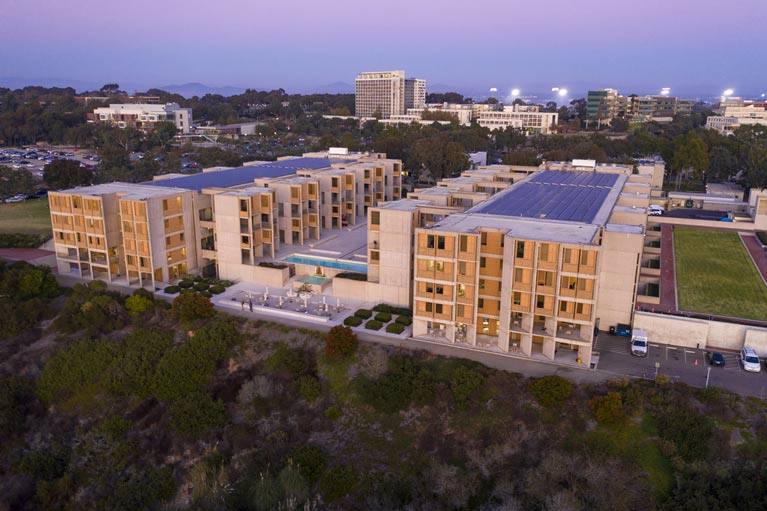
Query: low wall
[710, 224]
[370, 292]
[691, 332]
[272, 277]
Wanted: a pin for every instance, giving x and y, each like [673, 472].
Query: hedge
[172, 290]
[201, 286]
[225, 283]
[19, 240]
[353, 321]
[373, 325]
[383, 317]
[395, 328]
[217, 290]
[404, 320]
[400, 311]
[267, 264]
[185, 284]
[363, 313]
[762, 235]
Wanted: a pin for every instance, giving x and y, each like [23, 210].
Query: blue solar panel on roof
[243, 175]
[554, 195]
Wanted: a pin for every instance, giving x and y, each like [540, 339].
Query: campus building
[143, 117]
[736, 116]
[519, 117]
[387, 93]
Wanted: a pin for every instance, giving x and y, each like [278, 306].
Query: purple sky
[688, 45]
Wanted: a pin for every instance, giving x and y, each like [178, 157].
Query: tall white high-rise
[387, 93]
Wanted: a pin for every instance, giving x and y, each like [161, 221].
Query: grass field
[32, 216]
[715, 275]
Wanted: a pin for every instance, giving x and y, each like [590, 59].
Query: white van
[655, 210]
[639, 342]
[750, 360]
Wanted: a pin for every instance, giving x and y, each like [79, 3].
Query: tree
[756, 167]
[110, 88]
[722, 163]
[340, 342]
[550, 391]
[190, 306]
[608, 409]
[163, 134]
[15, 181]
[492, 101]
[63, 174]
[690, 157]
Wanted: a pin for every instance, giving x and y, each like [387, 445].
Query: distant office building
[737, 116]
[415, 93]
[604, 105]
[387, 93]
[143, 117]
[519, 117]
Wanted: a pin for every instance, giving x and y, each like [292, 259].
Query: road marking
[691, 351]
[655, 345]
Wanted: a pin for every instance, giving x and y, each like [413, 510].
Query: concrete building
[415, 93]
[143, 117]
[388, 93]
[737, 116]
[536, 268]
[519, 117]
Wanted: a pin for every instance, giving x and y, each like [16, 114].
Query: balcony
[208, 243]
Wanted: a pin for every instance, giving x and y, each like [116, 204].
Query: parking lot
[687, 365]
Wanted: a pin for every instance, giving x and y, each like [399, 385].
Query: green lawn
[32, 216]
[715, 275]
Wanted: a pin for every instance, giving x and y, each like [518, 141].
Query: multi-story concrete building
[536, 268]
[519, 117]
[415, 93]
[387, 93]
[143, 116]
[737, 116]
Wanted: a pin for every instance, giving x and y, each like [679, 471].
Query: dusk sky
[699, 46]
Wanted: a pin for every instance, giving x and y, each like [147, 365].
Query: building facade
[387, 93]
[515, 116]
[143, 117]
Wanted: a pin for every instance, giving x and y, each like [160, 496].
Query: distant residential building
[388, 93]
[604, 105]
[737, 116]
[143, 116]
[519, 117]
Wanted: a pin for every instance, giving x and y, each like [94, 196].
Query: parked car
[716, 359]
[750, 360]
[639, 342]
[655, 210]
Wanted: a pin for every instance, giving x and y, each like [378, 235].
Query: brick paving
[758, 254]
[667, 271]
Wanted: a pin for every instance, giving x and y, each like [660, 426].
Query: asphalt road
[686, 365]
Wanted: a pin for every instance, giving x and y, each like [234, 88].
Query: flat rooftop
[130, 191]
[242, 175]
[583, 197]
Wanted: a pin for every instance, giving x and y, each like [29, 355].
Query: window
[582, 284]
[441, 242]
[440, 290]
[579, 308]
[165, 204]
[482, 283]
[483, 239]
[438, 308]
[584, 257]
[429, 307]
[294, 192]
[568, 255]
[569, 282]
[545, 278]
[264, 201]
[463, 243]
[334, 182]
[244, 240]
[543, 252]
[516, 298]
[311, 188]
[519, 275]
[243, 205]
[374, 255]
[430, 265]
[461, 289]
[481, 303]
[459, 310]
[482, 262]
[521, 249]
[375, 218]
[430, 241]
[429, 287]
[462, 268]
[563, 306]
[440, 266]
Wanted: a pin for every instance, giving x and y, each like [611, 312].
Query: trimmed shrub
[340, 342]
[373, 325]
[225, 283]
[310, 388]
[185, 284]
[363, 313]
[191, 306]
[383, 317]
[207, 294]
[217, 290]
[402, 311]
[762, 236]
[550, 391]
[353, 321]
[172, 290]
[404, 320]
[201, 286]
[353, 276]
[137, 304]
[267, 264]
[395, 328]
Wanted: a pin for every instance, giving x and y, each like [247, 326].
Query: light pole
[708, 373]
[657, 366]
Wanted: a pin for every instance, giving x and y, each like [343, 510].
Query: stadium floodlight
[728, 92]
[563, 92]
[515, 92]
[493, 89]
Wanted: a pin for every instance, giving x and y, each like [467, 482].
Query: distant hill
[192, 89]
[332, 88]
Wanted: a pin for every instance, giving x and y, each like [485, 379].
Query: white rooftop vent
[585, 163]
[338, 150]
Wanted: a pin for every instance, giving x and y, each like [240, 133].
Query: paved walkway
[758, 254]
[667, 271]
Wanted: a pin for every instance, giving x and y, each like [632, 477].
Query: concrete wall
[272, 277]
[370, 292]
[712, 224]
[690, 332]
